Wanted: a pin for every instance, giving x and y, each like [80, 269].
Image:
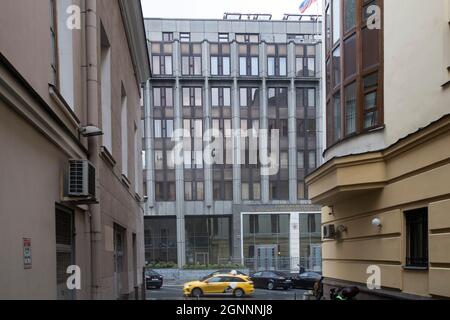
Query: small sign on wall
[27, 262]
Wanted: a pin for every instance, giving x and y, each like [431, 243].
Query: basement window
[417, 238]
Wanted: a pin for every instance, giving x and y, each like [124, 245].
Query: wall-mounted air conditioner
[329, 231]
[80, 180]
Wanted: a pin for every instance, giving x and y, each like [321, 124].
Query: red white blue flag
[305, 5]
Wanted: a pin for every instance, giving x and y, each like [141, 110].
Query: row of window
[221, 97]
[223, 37]
[220, 59]
[194, 159]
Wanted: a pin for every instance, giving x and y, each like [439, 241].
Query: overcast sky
[214, 9]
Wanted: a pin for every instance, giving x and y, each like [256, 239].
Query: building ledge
[347, 176]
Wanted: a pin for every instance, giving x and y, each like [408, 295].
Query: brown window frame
[358, 77]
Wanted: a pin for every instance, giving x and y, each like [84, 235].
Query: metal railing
[284, 264]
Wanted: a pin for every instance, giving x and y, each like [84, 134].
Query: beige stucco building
[385, 184]
[64, 65]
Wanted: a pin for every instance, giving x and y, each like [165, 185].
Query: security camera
[90, 131]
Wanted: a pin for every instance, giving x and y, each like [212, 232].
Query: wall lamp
[90, 131]
[377, 223]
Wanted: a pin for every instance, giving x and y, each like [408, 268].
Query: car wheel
[158, 287]
[286, 288]
[270, 286]
[197, 293]
[239, 293]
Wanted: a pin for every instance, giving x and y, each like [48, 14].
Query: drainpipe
[93, 146]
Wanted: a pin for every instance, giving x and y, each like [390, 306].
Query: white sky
[214, 9]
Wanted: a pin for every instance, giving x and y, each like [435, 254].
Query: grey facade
[230, 74]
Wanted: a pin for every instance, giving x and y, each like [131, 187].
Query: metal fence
[284, 264]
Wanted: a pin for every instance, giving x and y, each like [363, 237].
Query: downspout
[93, 144]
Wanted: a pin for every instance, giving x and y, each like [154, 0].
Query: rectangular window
[337, 117]
[247, 38]
[224, 37]
[220, 59]
[191, 59]
[370, 101]
[248, 60]
[305, 60]
[349, 15]
[276, 59]
[54, 42]
[193, 191]
[192, 97]
[221, 97]
[167, 36]
[124, 130]
[300, 160]
[336, 67]
[417, 238]
[185, 37]
[105, 90]
[162, 58]
[336, 20]
[350, 109]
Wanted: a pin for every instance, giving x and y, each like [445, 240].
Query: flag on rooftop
[305, 5]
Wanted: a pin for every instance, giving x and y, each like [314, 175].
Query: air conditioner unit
[81, 180]
[329, 231]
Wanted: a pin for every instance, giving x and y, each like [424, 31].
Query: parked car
[225, 271]
[305, 280]
[271, 280]
[222, 284]
[153, 279]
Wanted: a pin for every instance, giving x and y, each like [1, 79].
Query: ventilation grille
[81, 179]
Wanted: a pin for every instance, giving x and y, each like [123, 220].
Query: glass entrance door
[266, 257]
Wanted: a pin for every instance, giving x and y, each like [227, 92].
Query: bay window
[354, 63]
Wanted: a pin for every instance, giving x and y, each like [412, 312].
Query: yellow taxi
[222, 284]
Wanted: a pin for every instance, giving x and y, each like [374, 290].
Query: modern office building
[247, 73]
[385, 184]
[69, 198]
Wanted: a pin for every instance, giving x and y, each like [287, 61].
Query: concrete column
[237, 246]
[292, 143]
[236, 120]
[294, 241]
[264, 126]
[179, 177]
[207, 126]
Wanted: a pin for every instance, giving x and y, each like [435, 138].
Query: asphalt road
[175, 292]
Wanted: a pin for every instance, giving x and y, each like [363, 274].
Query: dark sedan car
[224, 271]
[305, 280]
[271, 280]
[153, 280]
